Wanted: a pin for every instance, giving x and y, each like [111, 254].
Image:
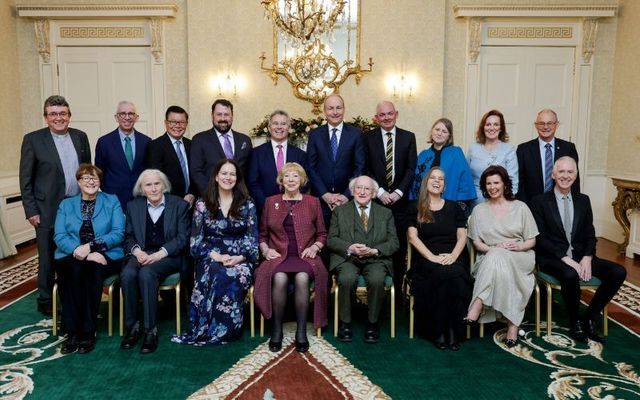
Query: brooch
[277, 205]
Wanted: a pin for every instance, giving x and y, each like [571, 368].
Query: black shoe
[275, 346]
[439, 342]
[70, 345]
[452, 343]
[454, 346]
[592, 332]
[345, 334]
[469, 322]
[577, 333]
[372, 335]
[86, 346]
[45, 308]
[511, 342]
[131, 338]
[150, 343]
[302, 347]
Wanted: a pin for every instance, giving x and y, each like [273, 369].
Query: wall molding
[541, 11]
[76, 11]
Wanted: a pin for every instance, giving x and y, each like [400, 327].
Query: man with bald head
[536, 158]
[335, 154]
[362, 239]
[391, 161]
[566, 249]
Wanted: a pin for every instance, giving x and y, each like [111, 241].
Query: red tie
[279, 158]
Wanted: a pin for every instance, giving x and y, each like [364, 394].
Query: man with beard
[219, 142]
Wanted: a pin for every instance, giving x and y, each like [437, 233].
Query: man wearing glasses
[49, 159]
[170, 153]
[536, 158]
[120, 154]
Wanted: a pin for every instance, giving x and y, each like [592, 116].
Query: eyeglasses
[362, 188]
[62, 114]
[546, 124]
[177, 123]
[87, 179]
[126, 114]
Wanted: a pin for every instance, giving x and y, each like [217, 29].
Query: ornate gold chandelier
[303, 20]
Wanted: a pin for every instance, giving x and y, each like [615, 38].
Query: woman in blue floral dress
[224, 245]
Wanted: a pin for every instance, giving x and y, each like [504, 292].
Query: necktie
[128, 151]
[567, 222]
[364, 217]
[548, 167]
[183, 165]
[334, 143]
[389, 160]
[279, 158]
[228, 151]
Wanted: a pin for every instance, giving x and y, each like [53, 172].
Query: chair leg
[549, 301]
[319, 332]
[252, 323]
[110, 305]
[121, 313]
[468, 332]
[393, 312]
[335, 311]
[481, 330]
[537, 288]
[261, 325]
[605, 322]
[178, 309]
[54, 329]
[411, 316]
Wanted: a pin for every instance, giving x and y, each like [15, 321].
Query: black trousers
[80, 284]
[140, 281]
[611, 274]
[46, 248]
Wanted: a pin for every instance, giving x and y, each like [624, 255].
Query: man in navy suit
[391, 161]
[336, 154]
[536, 157]
[219, 142]
[566, 249]
[49, 159]
[268, 158]
[120, 154]
[170, 153]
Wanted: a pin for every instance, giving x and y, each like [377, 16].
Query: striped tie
[389, 160]
[548, 167]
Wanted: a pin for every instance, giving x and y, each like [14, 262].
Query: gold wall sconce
[402, 87]
[225, 85]
[316, 46]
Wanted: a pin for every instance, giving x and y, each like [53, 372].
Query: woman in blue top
[89, 231]
[492, 149]
[450, 159]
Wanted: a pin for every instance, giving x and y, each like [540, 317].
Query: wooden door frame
[101, 25]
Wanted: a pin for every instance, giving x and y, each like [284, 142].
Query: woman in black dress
[439, 277]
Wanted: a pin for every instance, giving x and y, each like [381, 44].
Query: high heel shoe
[470, 322]
[275, 346]
[510, 343]
[302, 347]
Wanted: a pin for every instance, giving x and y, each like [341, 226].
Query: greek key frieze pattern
[101, 32]
[530, 32]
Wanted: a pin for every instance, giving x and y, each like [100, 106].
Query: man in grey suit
[155, 237]
[219, 142]
[362, 240]
[49, 159]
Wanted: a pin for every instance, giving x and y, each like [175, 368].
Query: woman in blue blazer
[89, 231]
[451, 160]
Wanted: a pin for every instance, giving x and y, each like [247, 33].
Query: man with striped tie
[536, 158]
[391, 161]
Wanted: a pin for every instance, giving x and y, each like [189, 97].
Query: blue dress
[215, 312]
[479, 158]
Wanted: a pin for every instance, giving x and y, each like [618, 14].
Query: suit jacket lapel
[141, 223]
[169, 211]
[380, 146]
[50, 144]
[341, 144]
[578, 214]
[555, 212]
[537, 161]
[216, 144]
[171, 149]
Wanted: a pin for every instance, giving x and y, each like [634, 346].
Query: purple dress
[293, 263]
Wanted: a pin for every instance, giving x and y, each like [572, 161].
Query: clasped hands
[443, 258]
[334, 200]
[583, 268]
[145, 259]
[510, 245]
[389, 198]
[83, 252]
[226, 260]
[362, 250]
[309, 252]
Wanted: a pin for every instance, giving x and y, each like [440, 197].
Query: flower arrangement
[300, 128]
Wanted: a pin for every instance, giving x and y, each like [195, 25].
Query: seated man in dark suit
[156, 234]
[170, 153]
[536, 157]
[566, 249]
[120, 154]
[362, 240]
[336, 154]
[268, 158]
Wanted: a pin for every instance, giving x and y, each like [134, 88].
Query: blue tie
[334, 143]
[548, 167]
[183, 166]
[128, 152]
